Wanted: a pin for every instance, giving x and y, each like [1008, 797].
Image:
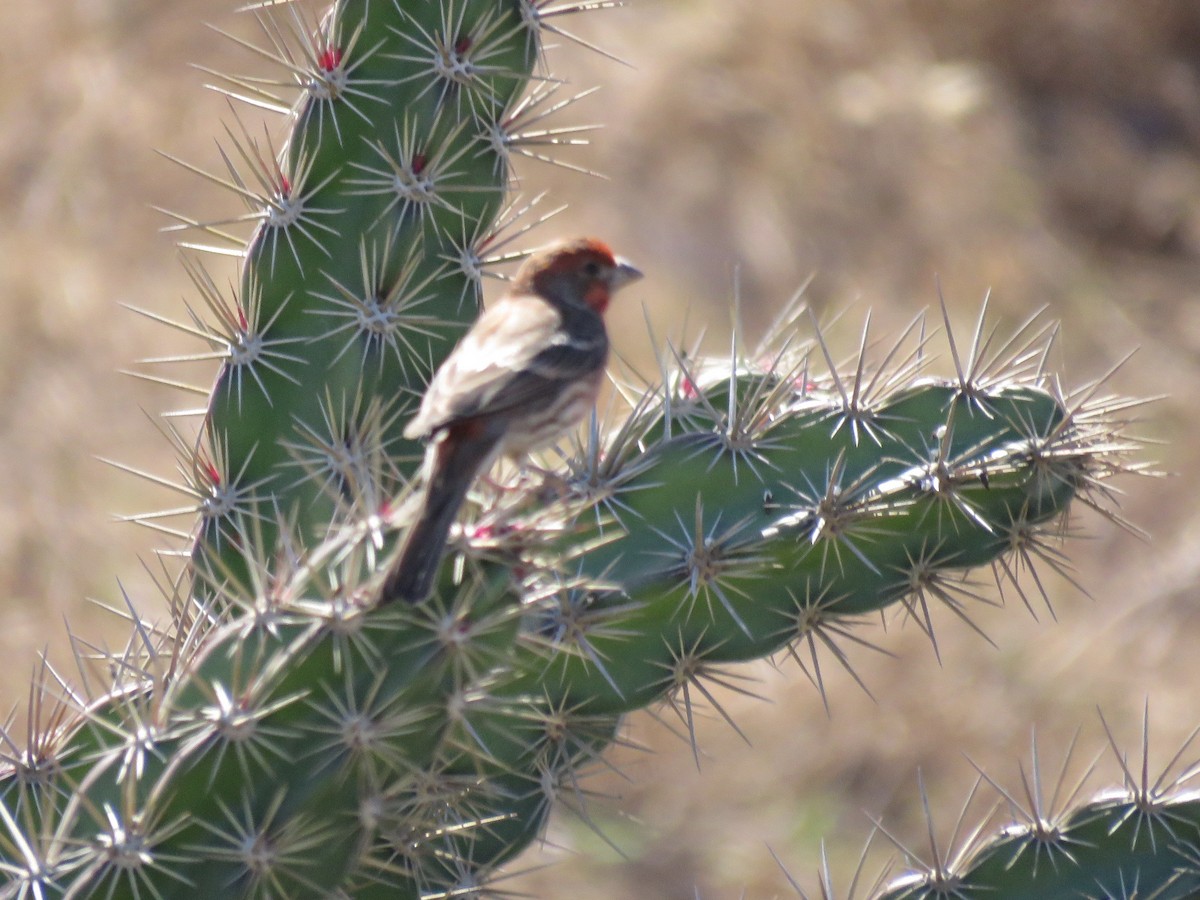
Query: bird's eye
[591, 269]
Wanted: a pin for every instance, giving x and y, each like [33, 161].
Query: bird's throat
[597, 298]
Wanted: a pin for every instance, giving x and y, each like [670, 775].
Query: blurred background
[1045, 150]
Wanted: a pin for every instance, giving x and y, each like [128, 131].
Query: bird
[527, 372]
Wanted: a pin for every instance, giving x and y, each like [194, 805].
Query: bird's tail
[455, 464]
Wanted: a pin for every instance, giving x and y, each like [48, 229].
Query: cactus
[1137, 840]
[286, 738]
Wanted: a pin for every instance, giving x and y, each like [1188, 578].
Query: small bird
[525, 374]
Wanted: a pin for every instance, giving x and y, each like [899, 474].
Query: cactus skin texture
[285, 739]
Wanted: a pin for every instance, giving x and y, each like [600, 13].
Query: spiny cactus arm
[1109, 847]
[1139, 840]
[726, 556]
[370, 223]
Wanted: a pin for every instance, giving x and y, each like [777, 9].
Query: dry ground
[1047, 150]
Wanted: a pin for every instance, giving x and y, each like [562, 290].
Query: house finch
[526, 372]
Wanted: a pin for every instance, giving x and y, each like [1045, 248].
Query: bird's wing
[512, 355]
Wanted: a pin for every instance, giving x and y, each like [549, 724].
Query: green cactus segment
[1119, 845]
[354, 280]
[727, 556]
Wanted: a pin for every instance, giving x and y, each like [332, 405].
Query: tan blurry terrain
[1047, 150]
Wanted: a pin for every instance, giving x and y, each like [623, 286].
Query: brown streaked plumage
[526, 373]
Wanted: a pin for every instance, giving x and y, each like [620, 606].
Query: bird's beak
[623, 274]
